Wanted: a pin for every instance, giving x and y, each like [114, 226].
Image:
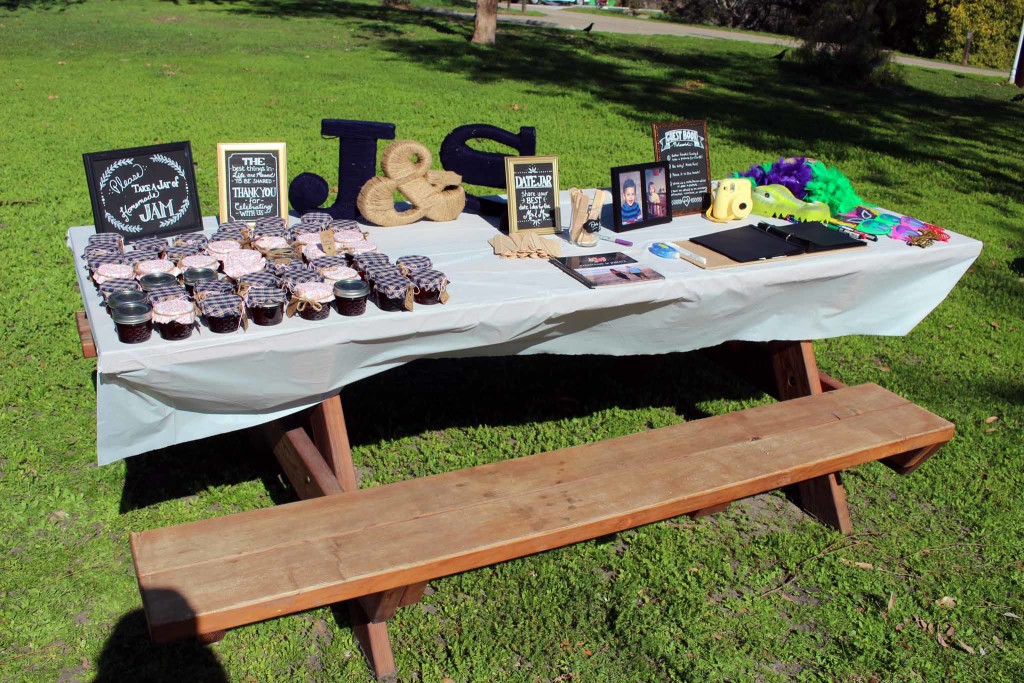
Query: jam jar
[350, 297]
[266, 305]
[134, 322]
[199, 261]
[112, 271]
[154, 280]
[155, 266]
[174, 319]
[125, 296]
[429, 287]
[390, 292]
[314, 299]
[223, 311]
[194, 275]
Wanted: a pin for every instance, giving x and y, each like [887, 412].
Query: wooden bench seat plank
[582, 493]
[180, 546]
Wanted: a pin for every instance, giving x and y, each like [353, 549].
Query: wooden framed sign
[532, 184]
[684, 146]
[144, 191]
[253, 181]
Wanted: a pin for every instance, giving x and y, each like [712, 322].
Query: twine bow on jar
[437, 195]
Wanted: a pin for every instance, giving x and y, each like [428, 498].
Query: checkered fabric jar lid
[271, 222]
[196, 239]
[343, 224]
[225, 237]
[213, 286]
[363, 260]
[270, 231]
[328, 262]
[320, 292]
[150, 243]
[179, 252]
[133, 258]
[199, 261]
[106, 238]
[221, 305]
[377, 271]
[304, 228]
[173, 311]
[167, 293]
[282, 266]
[119, 285]
[94, 262]
[413, 264]
[317, 217]
[263, 278]
[391, 286]
[262, 297]
[294, 278]
[93, 250]
[429, 280]
[239, 227]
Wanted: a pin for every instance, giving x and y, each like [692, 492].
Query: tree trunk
[486, 22]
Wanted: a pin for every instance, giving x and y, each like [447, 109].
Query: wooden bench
[381, 545]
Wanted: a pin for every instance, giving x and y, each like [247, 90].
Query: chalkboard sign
[252, 179]
[144, 191]
[684, 145]
[532, 184]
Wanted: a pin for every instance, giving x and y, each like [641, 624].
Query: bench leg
[713, 510]
[374, 640]
[796, 375]
[905, 463]
[85, 335]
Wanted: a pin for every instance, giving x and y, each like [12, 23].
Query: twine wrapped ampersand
[437, 195]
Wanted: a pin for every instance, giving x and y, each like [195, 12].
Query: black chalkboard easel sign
[144, 191]
[532, 184]
[252, 181]
[684, 146]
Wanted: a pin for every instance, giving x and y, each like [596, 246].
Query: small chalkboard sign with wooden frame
[684, 146]
[144, 191]
[533, 204]
[252, 180]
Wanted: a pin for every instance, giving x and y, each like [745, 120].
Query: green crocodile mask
[777, 201]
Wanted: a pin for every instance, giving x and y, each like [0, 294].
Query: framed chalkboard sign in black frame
[144, 191]
[533, 197]
[252, 180]
[684, 146]
[647, 208]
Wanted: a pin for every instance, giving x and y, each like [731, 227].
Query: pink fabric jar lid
[312, 251]
[321, 292]
[271, 242]
[308, 238]
[242, 262]
[156, 266]
[113, 271]
[174, 311]
[348, 236]
[220, 248]
[361, 247]
[339, 273]
[199, 261]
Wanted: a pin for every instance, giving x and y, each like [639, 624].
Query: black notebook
[764, 241]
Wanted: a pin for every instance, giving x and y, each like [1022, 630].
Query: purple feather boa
[794, 175]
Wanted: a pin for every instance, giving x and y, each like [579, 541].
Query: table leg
[331, 438]
[796, 375]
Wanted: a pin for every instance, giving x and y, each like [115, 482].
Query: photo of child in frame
[641, 196]
[654, 179]
[630, 193]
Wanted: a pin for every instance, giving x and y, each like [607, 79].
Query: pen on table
[625, 243]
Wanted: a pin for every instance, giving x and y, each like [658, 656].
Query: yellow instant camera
[732, 200]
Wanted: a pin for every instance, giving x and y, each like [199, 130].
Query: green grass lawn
[758, 593]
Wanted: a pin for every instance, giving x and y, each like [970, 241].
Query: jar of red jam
[194, 275]
[174, 319]
[223, 311]
[361, 261]
[409, 265]
[313, 300]
[429, 287]
[266, 304]
[392, 293]
[125, 296]
[350, 297]
[134, 322]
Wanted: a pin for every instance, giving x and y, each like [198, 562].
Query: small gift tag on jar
[409, 298]
[327, 242]
[444, 296]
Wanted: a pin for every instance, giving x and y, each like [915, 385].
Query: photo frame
[641, 196]
[144, 191]
[533, 195]
[684, 146]
[252, 180]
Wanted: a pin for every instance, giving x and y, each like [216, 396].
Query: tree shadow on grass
[772, 107]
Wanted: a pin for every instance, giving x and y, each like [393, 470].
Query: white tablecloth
[161, 393]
